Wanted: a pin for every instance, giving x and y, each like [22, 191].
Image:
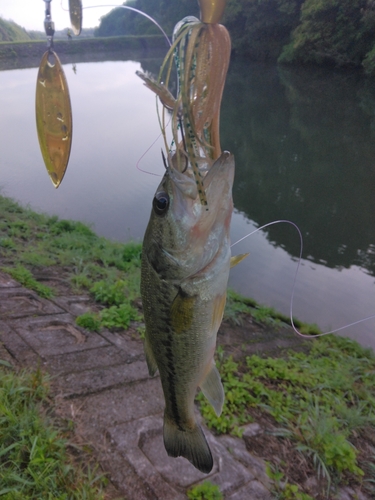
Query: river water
[304, 143]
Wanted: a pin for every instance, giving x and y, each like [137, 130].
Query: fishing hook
[184, 144]
[164, 160]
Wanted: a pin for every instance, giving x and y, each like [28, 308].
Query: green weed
[119, 316]
[109, 293]
[35, 258]
[283, 490]
[24, 276]
[90, 321]
[205, 491]
[112, 317]
[7, 243]
[68, 244]
[142, 331]
[132, 253]
[235, 306]
[58, 227]
[320, 398]
[265, 315]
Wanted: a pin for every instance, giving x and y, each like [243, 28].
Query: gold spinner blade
[53, 116]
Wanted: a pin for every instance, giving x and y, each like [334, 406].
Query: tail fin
[190, 444]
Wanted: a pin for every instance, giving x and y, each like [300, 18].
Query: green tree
[260, 28]
[337, 32]
[12, 32]
[166, 12]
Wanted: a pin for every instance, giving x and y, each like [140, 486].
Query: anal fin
[213, 390]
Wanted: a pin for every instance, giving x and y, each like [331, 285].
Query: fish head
[183, 235]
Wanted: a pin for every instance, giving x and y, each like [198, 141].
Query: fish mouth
[217, 179]
[193, 233]
[223, 166]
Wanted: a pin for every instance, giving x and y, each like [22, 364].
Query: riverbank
[72, 307]
[28, 54]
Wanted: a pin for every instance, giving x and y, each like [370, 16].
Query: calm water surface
[304, 143]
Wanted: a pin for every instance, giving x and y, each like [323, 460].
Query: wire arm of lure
[164, 159]
[184, 145]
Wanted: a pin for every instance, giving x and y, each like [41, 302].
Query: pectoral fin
[213, 390]
[150, 360]
[237, 259]
[182, 311]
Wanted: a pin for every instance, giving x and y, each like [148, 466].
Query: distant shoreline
[27, 54]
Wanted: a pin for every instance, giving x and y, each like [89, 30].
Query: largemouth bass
[185, 268]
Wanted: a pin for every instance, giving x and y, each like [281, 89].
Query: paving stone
[7, 282]
[20, 302]
[135, 440]
[74, 304]
[119, 405]
[52, 335]
[16, 346]
[231, 474]
[123, 341]
[238, 449]
[142, 443]
[98, 379]
[5, 355]
[124, 477]
[178, 471]
[252, 491]
[85, 360]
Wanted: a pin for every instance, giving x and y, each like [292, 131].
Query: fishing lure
[201, 51]
[52, 101]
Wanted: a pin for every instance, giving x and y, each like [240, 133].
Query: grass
[205, 491]
[321, 400]
[24, 276]
[36, 460]
[108, 270]
[238, 306]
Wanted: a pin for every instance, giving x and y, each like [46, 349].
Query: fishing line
[169, 43]
[128, 8]
[295, 281]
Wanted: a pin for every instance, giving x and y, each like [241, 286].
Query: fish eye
[161, 203]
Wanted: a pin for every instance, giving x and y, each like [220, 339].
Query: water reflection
[305, 151]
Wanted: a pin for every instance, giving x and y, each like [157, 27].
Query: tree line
[335, 32]
[12, 32]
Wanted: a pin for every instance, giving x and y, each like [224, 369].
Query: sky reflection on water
[288, 162]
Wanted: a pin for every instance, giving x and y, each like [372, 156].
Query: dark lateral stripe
[171, 379]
